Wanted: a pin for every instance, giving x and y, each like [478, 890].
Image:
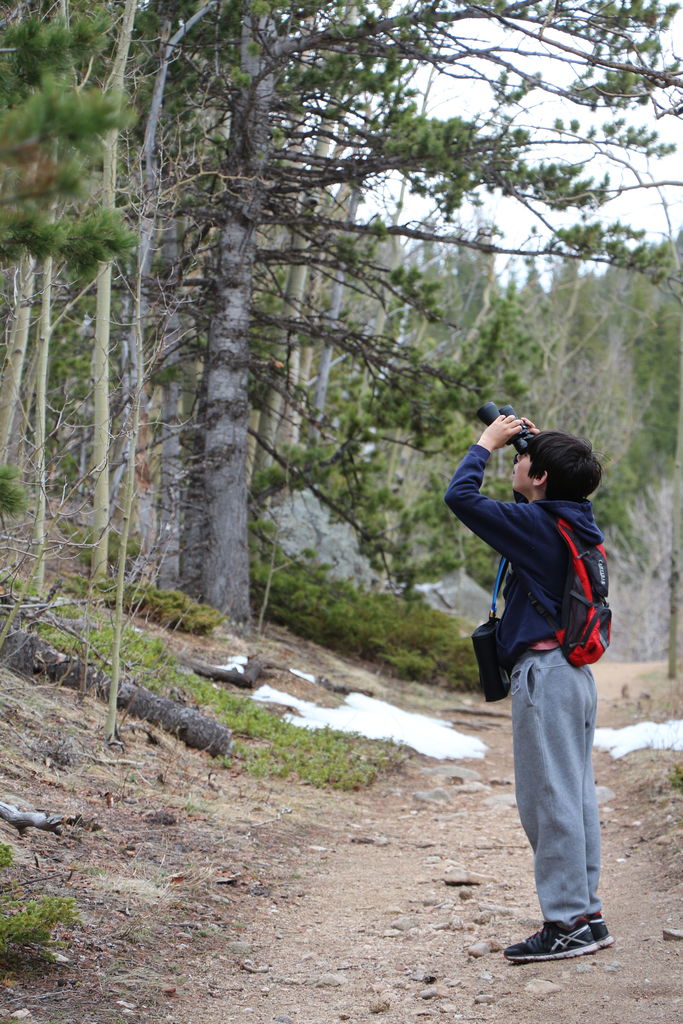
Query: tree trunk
[151, 176]
[100, 452]
[101, 432]
[676, 516]
[40, 425]
[225, 564]
[10, 399]
[126, 512]
[225, 556]
[193, 511]
[171, 472]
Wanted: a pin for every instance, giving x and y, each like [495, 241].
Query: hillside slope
[209, 896]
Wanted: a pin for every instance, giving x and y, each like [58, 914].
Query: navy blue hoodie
[526, 534]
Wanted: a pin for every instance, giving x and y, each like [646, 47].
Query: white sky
[641, 208]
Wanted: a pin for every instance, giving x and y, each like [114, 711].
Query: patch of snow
[237, 662]
[302, 675]
[652, 735]
[376, 719]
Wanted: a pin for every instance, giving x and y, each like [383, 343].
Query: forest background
[217, 291]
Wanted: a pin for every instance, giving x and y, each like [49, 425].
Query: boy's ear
[540, 483]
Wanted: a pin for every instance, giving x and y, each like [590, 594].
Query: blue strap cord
[502, 567]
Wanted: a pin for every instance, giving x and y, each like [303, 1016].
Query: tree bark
[171, 468]
[21, 820]
[151, 187]
[193, 544]
[225, 562]
[676, 516]
[16, 355]
[126, 511]
[40, 426]
[101, 433]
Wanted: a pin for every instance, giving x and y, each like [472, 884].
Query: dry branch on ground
[27, 654]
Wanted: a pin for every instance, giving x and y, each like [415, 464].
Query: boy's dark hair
[574, 471]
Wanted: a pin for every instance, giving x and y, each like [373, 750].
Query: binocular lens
[490, 412]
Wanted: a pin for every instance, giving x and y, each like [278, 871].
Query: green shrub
[31, 922]
[172, 608]
[145, 657]
[405, 635]
[167, 607]
[676, 778]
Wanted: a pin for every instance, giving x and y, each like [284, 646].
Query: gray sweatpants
[553, 720]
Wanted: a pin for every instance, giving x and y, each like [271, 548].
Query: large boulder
[306, 524]
[457, 594]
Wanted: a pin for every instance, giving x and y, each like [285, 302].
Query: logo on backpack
[585, 625]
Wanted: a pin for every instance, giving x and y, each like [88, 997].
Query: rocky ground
[211, 897]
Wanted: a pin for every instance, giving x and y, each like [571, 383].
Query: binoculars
[490, 412]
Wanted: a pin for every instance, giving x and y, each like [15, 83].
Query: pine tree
[276, 83]
[51, 121]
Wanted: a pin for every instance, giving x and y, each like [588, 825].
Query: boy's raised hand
[498, 433]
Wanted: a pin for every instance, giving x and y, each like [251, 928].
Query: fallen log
[31, 819]
[252, 671]
[30, 656]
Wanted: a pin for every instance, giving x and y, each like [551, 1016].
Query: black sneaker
[599, 930]
[554, 943]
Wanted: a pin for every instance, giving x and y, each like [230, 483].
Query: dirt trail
[355, 922]
[210, 897]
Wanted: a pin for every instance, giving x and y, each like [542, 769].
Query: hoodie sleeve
[503, 525]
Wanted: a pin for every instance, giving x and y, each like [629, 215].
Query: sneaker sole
[593, 947]
[604, 943]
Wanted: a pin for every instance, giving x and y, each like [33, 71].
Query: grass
[29, 923]
[321, 757]
[265, 745]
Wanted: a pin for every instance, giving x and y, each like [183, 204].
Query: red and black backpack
[584, 629]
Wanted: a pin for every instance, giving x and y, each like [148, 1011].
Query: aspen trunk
[40, 426]
[10, 394]
[101, 425]
[100, 453]
[151, 186]
[126, 512]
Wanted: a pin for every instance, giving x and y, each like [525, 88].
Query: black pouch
[493, 678]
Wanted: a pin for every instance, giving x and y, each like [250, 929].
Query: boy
[553, 703]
